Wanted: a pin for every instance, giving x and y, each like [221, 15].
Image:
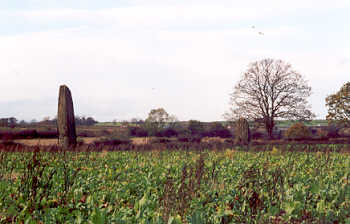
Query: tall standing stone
[242, 132]
[65, 119]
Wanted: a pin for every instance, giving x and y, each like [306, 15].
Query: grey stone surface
[65, 119]
[242, 132]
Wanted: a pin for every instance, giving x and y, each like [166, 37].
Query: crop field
[187, 186]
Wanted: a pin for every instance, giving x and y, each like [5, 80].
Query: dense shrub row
[44, 134]
[195, 129]
[27, 134]
[164, 144]
[299, 131]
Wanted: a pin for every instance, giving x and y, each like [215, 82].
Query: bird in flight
[260, 33]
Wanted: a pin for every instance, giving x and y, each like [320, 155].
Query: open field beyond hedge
[175, 187]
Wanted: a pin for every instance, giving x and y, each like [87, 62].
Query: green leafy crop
[175, 187]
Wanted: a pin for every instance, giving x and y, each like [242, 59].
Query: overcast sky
[123, 58]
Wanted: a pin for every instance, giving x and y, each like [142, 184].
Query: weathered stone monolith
[65, 119]
[242, 132]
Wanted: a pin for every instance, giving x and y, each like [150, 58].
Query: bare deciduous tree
[270, 89]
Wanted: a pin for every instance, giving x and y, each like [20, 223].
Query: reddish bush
[258, 135]
[320, 134]
[111, 142]
[138, 132]
[216, 129]
[168, 132]
[332, 131]
[47, 134]
[86, 133]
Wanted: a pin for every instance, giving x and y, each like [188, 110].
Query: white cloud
[180, 13]
[190, 54]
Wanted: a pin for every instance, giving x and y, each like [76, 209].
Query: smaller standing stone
[242, 132]
[65, 119]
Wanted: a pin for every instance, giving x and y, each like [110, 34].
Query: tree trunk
[269, 125]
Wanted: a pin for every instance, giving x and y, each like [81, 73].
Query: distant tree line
[79, 120]
[8, 122]
[214, 129]
[13, 122]
[160, 124]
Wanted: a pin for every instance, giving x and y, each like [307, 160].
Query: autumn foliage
[298, 131]
[339, 105]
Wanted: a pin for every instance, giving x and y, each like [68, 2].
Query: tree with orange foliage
[339, 105]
